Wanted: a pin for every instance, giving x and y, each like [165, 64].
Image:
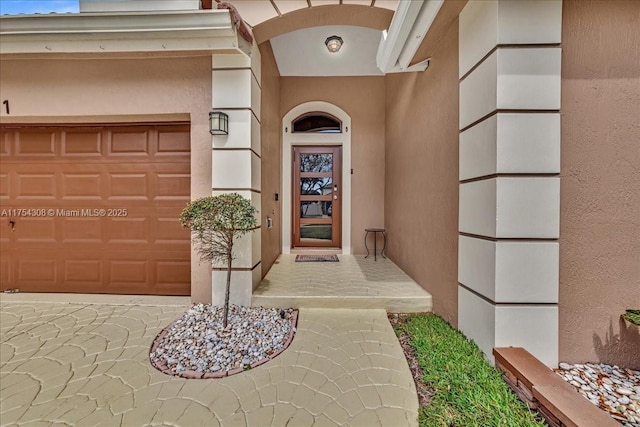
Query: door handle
[12, 224]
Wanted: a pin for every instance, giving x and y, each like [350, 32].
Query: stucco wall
[271, 150]
[363, 98]
[120, 90]
[600, 181]
[421, 197]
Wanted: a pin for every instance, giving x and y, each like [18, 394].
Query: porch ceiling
[300, 50]
[303, 52]
[255, 12]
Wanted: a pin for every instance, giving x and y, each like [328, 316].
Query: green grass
[468, 391]
[633, 316]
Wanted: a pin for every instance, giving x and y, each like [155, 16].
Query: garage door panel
[170, 186]
[81, 186]
[115, 193]
[173, 143]
[124, 186]
[82, 143]
[4, 186]
[129, 266]
[82, 230]
[130, 272]
[6, 235]
[40, 229]
[5, 270]
[168, 230]
[38, 270]
[128, 143]
[83, 271]
[36, 186]
[6, 143]
[128, 230]
[36, 143]
[171, 272]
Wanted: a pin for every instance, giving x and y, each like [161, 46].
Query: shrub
[216, 221]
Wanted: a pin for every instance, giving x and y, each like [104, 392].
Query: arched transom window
[316, 122]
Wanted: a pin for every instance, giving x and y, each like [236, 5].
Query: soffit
[447, 16]
[120, 33]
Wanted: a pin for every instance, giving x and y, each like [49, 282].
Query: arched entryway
[328, 142]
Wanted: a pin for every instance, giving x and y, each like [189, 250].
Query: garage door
[95, 209]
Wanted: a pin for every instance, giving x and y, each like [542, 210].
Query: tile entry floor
[354, 282]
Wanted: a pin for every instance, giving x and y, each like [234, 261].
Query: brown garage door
[95, 209]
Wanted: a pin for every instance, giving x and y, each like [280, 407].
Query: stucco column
[236, 164]
[509, 69]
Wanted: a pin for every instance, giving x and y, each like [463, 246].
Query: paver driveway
[87, 364]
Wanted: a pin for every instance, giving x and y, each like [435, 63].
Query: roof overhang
[201, 31]
[411, 22]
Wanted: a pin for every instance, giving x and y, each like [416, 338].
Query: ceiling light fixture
[333, 43]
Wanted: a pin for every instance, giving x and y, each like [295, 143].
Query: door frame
[290, 139]
[336, 217]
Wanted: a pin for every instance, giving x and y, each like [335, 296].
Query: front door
[317, 196]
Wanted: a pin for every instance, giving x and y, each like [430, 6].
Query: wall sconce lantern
[333, 43]
[218, 123]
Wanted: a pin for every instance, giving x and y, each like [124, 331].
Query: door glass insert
[315, 232]
[321, 186]
[316, 162]
[320, 209]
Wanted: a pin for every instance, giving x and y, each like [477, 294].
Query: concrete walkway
[87, 365]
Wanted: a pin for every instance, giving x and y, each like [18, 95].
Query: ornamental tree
[215, 222]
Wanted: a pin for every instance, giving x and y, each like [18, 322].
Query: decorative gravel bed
[197, 346]
[613, 389]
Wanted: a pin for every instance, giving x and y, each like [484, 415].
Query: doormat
[317, 258]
